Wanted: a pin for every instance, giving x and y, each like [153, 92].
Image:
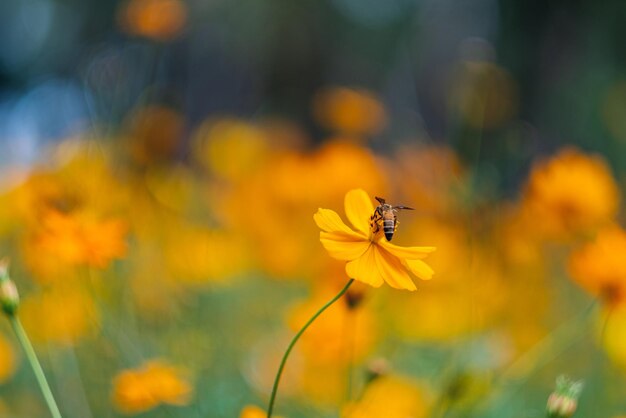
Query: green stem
[293, 343]
[34, 363]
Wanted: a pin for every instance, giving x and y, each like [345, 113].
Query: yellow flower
[599, 265]
[154, 383]
[63, 314]
[613, 321]
[285, 190]
[389, 397]
[79, 239]
[370, 257]
[572, 193]
[230, 148]
[161, 20]
[348, 111]
[326, 341]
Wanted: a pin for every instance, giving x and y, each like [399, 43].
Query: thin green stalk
[34, 363]
[293, 343]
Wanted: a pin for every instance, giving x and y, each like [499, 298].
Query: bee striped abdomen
[389, 228]
[386, 213]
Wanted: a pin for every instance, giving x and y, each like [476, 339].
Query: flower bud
[9, 298]
[563, 402]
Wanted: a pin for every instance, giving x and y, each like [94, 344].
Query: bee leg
[375, 221]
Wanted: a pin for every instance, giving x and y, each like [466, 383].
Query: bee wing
[380, 200]
[403, 207]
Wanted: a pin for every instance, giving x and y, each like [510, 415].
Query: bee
[387, 214]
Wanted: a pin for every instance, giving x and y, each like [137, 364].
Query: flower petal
[359, 209]
[329, 221]
[392, 270]
[364, 269]
[420, 269]
[410, 253]
[343, 246]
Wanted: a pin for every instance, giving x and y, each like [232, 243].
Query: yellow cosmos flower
[572, 193]
[370, 257]
[154, 383]
[613, 323]
[598, 266]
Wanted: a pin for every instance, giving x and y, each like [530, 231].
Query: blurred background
[161, 162]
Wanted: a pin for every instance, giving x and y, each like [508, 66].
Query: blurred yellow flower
[80, 239]
[8, 360]
[345, 335]
[370, 257]
[599, 267]
[341, 335]
[154, 383]
[571, 193]
[349, 111]
[614, 335]
[389, 397]
[454, 307]
[63, 314]
[252, 411]
[80, 181]
[231, 148]
[196, 255]
[285, 191]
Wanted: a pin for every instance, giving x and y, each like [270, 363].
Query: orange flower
[157, 19]
[572, 193]
[370, 257]
[154, 383]
[349, 112]
[599, 265]
[78, 239]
